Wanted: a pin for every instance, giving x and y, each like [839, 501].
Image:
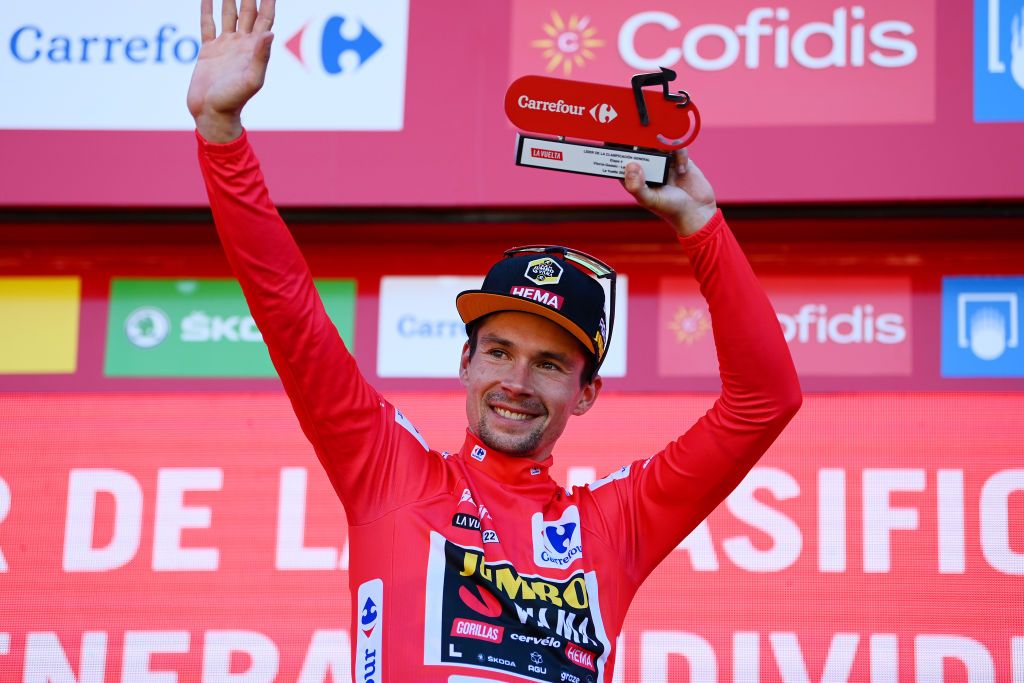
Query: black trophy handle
[662, 78]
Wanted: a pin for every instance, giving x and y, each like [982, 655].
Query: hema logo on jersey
[998, 60]
[345, 70]
[981, 327]
[369, 639]
[557, 543]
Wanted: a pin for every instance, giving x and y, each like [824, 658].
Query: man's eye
[497, 353]
[548, 365]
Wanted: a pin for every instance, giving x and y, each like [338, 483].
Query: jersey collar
[508, 469]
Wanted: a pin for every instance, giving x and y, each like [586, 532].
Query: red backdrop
[879, 527]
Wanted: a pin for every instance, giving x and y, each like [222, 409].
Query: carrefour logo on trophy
[597, 129]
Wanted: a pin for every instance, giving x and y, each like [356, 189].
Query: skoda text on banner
[747, 64]
[127, 67]
[198, 328]
[851, 326]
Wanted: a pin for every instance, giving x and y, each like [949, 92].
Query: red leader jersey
[474, 565]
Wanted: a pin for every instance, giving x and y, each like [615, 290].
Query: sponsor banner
[998, 60]
[803, 62]
[126, 65]
[122, 559]
[850, 326]
[981, 327]
[198, 328]
[420, 334]
[39, 318]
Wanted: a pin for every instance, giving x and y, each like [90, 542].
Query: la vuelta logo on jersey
[484, 615]
[558, 543]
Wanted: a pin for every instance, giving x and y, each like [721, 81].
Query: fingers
[228, 16]
[265, 20]
[682, 158]
[247, 16]
[261, 55]
[207, 29]
[635, 184]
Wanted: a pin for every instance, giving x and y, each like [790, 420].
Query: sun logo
[689, 324]
[568, 43]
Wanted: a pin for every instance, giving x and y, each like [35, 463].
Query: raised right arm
[354, 432]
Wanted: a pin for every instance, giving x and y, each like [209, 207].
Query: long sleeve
[351, 428]
[655, 503]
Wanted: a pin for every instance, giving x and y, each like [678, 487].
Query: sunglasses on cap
[595, 266]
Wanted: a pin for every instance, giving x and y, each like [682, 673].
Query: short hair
[588, 375]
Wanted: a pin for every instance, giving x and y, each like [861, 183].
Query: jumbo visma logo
[337, 44]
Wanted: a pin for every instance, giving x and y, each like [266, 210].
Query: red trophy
[597, 129]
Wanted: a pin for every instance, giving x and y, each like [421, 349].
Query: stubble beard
[520, 446]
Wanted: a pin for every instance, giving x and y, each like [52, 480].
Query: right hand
[231, 67]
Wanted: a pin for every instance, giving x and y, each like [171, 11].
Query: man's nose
[517, 379]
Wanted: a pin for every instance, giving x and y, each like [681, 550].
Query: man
[476, 566]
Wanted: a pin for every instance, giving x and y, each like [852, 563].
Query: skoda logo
[146, 327]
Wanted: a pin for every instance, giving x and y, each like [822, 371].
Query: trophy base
[590, 159]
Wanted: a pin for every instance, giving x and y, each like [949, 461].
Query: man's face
[523, 383]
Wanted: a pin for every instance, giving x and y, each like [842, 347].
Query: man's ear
[464, 365]
[588, 395]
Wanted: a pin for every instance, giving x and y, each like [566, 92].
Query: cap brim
[475, 304]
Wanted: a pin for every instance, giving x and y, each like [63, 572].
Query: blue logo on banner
[998, 60]
[334, 44]
[981, 327]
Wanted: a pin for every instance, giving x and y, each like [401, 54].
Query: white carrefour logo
[603, 113]
[146, 327]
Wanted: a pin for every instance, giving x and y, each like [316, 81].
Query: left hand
[686, 201]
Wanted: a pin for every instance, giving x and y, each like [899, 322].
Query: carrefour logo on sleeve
[998, 60]
[981, 327]
[557, 543]
[369, 639]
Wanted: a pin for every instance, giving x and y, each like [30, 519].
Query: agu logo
[557, 544]
[342, 44]
[998, 60]
[981, 327]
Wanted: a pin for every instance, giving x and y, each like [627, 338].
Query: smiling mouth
[511, 414]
